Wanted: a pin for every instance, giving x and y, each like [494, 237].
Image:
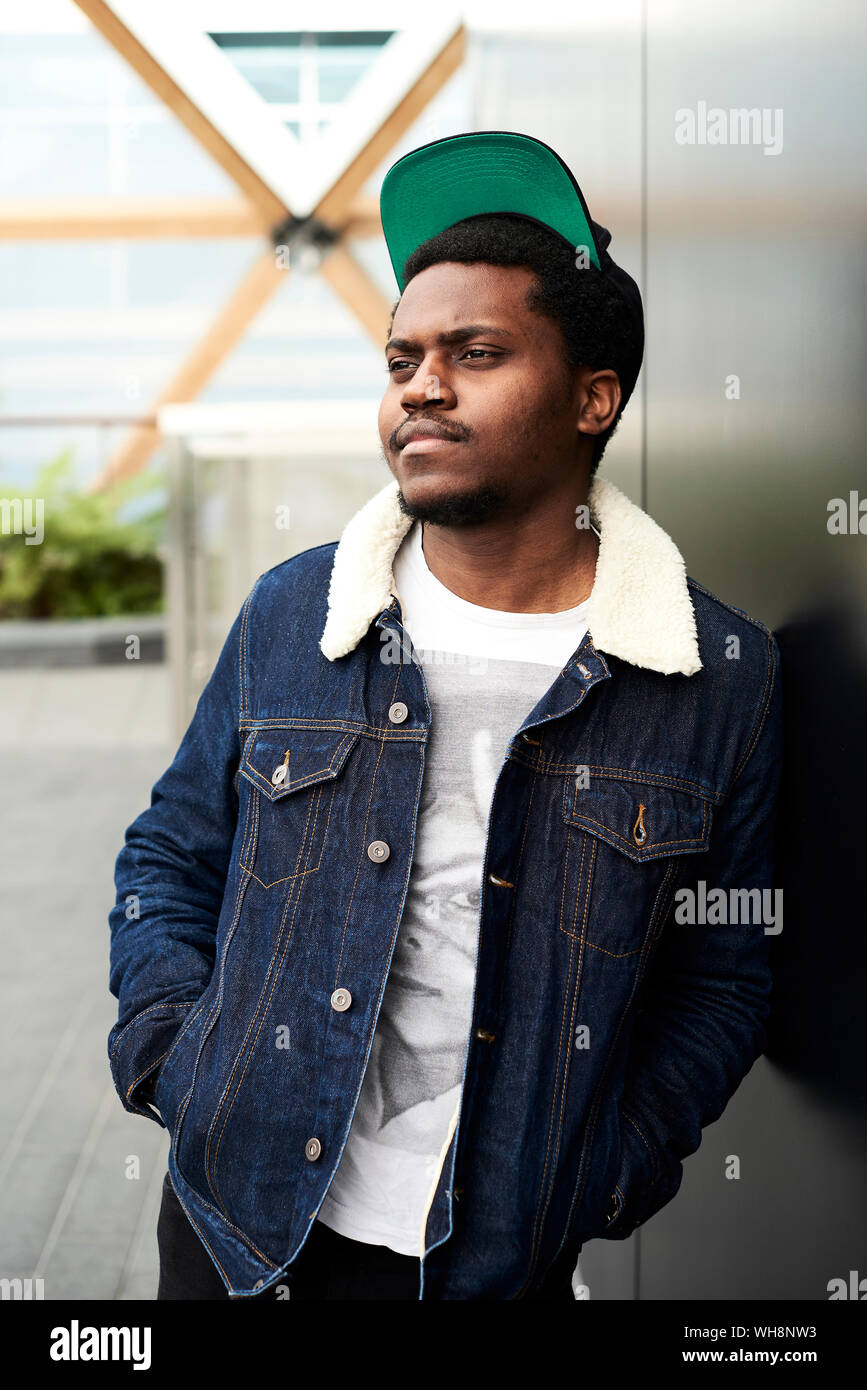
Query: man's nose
[425, 387]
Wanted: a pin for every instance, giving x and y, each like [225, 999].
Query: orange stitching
[185, 1004]
[227, 1089]
[217, 1002]
[563, 1082]
[242, 655]
[628, 1117]
[772, 666]
[603, 772]
[221, 1215]
[213, 1163]
[254, 775]
[570, 803]
[617, 955]
[250, 830]
[740, 612]
[555, 1090]
[352, 726]
[251, 833]
[654, 844]
[248, 866]
[567, 931]
[145, 1073]
[757, 729]
[231, 1226]
[565, 876]
[187, 1024]
[583, 889]
[655, 913]
[596, 1102]
[650, 779]
[300, 873]
[635, 1126]
[362, 854]
[660, 898]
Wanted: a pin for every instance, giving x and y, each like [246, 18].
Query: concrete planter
[80, 641]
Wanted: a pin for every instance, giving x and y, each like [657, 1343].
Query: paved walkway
[80, 1178]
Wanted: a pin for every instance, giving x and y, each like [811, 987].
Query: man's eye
[400, 364]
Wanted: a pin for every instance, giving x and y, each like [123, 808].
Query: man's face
[467, 358]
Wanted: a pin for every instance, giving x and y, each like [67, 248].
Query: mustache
[455, 429]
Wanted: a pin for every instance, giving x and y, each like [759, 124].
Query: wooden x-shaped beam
[282, 193]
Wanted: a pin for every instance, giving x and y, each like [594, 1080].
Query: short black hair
[588, 309]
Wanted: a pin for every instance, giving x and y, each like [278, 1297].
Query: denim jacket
[260, 896]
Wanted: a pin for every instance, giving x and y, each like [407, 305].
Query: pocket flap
[280, 761]
[641, 819]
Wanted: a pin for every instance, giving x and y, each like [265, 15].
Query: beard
[465, 509]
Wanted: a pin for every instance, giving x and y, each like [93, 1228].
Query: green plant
[93, 560]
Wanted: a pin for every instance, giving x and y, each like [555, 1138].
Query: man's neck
[528, 566]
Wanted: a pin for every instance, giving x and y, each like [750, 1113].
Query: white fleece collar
[639, 609]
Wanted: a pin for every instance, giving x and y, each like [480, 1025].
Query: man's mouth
[422, 437]
[426, 444]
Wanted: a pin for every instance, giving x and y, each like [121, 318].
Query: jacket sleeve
[702, 1010]
[170, 878]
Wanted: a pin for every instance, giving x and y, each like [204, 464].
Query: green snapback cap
[488, 171]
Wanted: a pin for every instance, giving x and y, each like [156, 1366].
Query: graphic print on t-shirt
[413, 1067]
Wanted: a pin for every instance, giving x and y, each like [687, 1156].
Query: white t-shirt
[485, 670]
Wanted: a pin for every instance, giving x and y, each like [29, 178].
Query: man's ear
[599, 401]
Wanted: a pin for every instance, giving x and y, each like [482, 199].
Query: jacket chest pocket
[627, 848]
[293, 775]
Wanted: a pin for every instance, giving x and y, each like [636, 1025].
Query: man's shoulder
[739, 653]
[306, 563]
[303, 575]
[716, 609]
[288, 604]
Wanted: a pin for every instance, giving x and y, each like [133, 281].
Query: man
[411, 978]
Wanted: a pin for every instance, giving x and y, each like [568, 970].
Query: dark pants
[329, 1266]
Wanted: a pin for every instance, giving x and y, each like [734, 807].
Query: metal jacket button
[378, 851]
[398, 712]
[341, 1000]
[281, 772]
[312, 1149]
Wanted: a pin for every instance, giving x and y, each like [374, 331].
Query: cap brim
[462, 176]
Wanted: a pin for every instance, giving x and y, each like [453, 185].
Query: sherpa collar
[639, 609]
